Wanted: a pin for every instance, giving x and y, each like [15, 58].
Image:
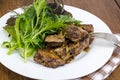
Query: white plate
[98, 55]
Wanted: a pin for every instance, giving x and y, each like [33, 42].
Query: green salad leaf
[31, 27]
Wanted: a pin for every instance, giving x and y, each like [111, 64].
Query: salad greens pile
[31, 27]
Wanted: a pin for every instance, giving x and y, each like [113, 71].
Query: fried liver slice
[72, 45]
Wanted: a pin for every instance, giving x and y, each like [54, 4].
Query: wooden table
[107, 10]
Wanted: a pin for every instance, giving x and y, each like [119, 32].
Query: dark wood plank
[6, 6]
[107, 10]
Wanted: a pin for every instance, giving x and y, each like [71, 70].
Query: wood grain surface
[118, 3]
[107, 10]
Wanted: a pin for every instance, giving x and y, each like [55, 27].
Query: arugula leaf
[10, 45]
[31, 27]
[39, 5]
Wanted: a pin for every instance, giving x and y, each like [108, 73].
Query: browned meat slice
[74, 33]
[47, 57]
[54, 40]
[62, 50]
[61, 55]
[78, 47]
[88, 27]
[64, 53]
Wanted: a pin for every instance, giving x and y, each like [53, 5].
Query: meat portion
[61, 55]
[54, 40]
[73, 41]
[88, 27]
[48, 57]
[78, 47]
[74, 33]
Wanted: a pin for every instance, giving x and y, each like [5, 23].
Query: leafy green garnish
[31, 27]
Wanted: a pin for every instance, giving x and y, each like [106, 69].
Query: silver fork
[107, 36]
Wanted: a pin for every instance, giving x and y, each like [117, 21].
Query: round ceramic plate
[84, 64]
